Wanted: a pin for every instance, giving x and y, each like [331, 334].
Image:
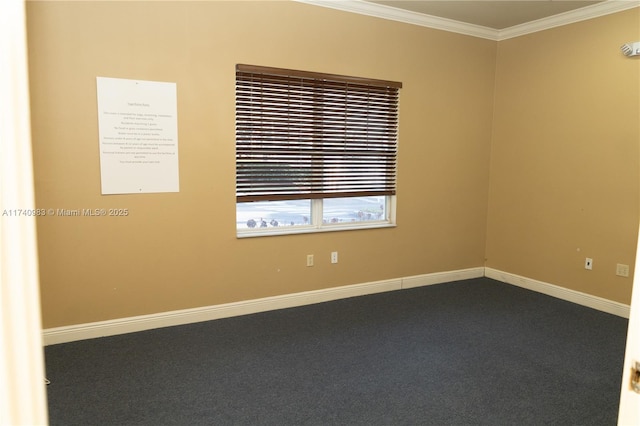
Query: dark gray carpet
[475, 352]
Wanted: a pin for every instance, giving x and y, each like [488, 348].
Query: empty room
[309, 212]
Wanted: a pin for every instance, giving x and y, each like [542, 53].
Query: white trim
[580, 298]
[207, 313]
[442, 277]
[408, 17]
[589, 12]
[394, 14]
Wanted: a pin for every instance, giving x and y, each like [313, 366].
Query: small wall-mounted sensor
[631, 49]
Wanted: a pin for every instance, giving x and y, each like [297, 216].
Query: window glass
[354, 209]
[273, 214]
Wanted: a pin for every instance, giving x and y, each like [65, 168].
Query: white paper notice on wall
[138, 132]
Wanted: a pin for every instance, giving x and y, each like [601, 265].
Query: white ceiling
[497, 15]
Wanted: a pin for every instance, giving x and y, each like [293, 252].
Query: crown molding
[394, 14]
[391, 13]
[589, 12]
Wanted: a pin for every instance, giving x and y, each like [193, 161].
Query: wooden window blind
[303, 135]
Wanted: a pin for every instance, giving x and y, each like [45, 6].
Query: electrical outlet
[622, 270]
[588, 263]
[334, 257]
[309, 260]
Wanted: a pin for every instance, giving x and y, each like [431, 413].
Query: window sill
[270, 232]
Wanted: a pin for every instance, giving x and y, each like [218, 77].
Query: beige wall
[564, 163]
[179, 250]
[535, 182]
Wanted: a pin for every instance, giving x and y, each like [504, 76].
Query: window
[314, 151]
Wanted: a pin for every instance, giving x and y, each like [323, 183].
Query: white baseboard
[187, 316]
[442, 277]
[580, 298]
[93, 330]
